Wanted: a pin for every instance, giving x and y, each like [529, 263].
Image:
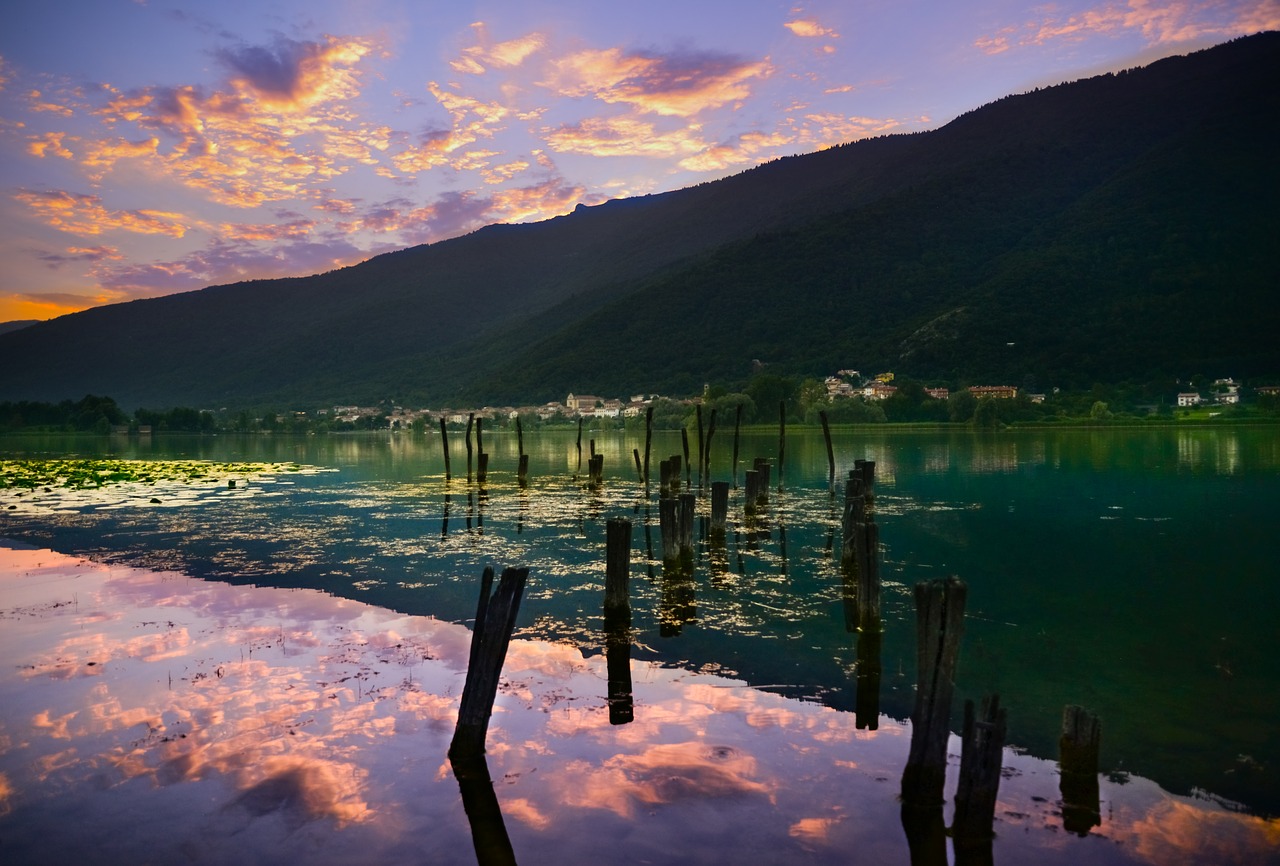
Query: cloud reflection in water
[177, 719]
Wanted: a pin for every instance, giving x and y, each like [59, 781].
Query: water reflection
[240, 724]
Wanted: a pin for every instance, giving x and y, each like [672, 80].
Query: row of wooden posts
[670, 470]
[939, 618]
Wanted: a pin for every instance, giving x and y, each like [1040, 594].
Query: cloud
[622, 136]
[677, 84]
[48, 144]
[477, 59]
[472, 119]
[810, 29]
[38, 103]
[81, 254]
[83, 214]
[1158, 23]
[279, 127]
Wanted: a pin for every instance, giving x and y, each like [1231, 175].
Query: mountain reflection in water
[149, 716]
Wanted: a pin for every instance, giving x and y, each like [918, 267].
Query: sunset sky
[151, 147]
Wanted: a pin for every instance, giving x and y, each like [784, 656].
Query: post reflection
[618, 664]
[488, 830]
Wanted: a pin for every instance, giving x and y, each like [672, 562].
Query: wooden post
[939, 624]
[592, 444]
[674, 460]
[750, 491]
[648, 437]
[519, 436]
[668, 520]
[719, 505]
[831, 454]
[471, 420]
[711, 431]
[981, 750]
[762, 480]
[664, 479]
[482, 465]
[579, 469]
[850, 522]
[688, 506]
[688, 466]
[782, 440]
[635, 452]
[1078, 762]
[869, 576]
[444, 443]
[737, 426]
[617, 570]
[522, 472]
[479, 435]
[702, 454]
[495, 619]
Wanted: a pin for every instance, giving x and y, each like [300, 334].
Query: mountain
[16, 324]
[1114, 228]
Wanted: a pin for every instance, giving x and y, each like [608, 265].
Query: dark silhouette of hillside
[1114, 228]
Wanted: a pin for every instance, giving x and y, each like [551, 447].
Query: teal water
[1130, 571]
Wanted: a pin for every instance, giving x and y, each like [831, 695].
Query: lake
[1129, 571]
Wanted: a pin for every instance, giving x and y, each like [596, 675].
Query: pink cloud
[84, 214]
[677, 84]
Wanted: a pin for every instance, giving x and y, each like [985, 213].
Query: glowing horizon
[154, 150]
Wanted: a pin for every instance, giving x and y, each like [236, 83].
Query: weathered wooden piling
[480, 435]
[675, 462]
[719, 506]
[750, 491]
[617, 570]
[1078, 762]
[706, 458]
[737, 427]
[939, 625]
[635, 452]
[782, 442]
[831, 454]
[702, 453]
[866, 469]
[595, 470]
[482, 465]
[664, 479]
[688, 509]
[471, 420]
[495, 619]
[579, 444]
[522, 470]
[444, 443]
[763, 470]
[981, 751]
[648, 438]
[688, 465]
[868, 575]
[668, 521]
[592, 445]
[850, 522]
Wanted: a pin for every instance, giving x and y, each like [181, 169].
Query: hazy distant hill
[16, 325]
[1114, 228]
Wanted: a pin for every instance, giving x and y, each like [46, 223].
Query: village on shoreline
[845, 397]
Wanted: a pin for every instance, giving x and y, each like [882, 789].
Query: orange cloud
[810, 29]
[511, 53]
[48, 144]
[48, 305]
[37, 102]
[266, 232]
[680, 85]
[472, 119]
[83, 214]
[750, 147]
[279, 127]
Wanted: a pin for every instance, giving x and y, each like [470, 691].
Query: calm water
[1128, 571]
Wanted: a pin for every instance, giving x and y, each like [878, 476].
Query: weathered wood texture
[981, 749]
[495, 618]
[444, 443]
[939, 625]
[617, 570]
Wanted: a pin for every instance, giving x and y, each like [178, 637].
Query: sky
[151, 147]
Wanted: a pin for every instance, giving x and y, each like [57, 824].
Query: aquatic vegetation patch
[75, 484]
